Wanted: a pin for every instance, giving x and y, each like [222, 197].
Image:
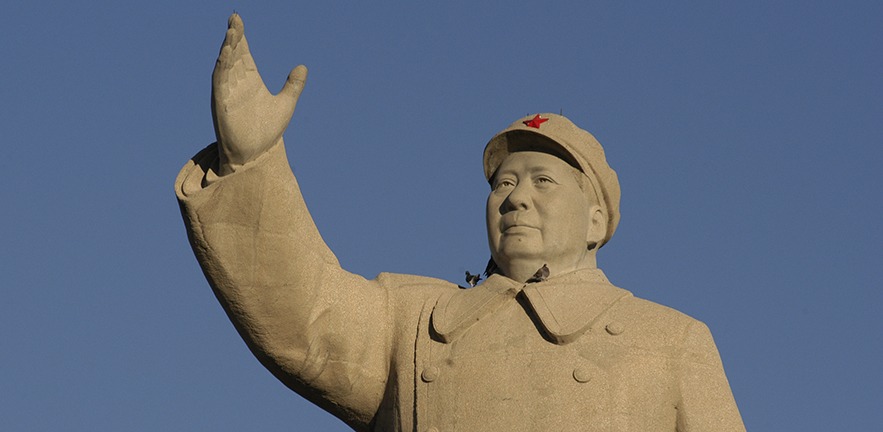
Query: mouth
[511, 224]
[514, 229]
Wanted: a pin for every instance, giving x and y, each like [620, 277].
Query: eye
[543, 181]
[504, 183]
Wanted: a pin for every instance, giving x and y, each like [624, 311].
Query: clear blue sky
[747, 137]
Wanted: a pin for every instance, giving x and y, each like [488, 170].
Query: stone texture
[566, 351]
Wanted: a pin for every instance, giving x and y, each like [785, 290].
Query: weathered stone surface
[545, 343]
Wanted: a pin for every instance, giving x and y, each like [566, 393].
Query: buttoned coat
[410, 353]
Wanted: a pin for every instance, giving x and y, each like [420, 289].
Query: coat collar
[566, 306]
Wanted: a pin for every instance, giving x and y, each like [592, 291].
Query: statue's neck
[523, 269]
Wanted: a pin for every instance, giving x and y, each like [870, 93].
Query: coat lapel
[454, 314]
[566, 306]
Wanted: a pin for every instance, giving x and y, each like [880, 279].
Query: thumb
[294, 84]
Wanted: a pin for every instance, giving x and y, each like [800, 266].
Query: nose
[518, 198]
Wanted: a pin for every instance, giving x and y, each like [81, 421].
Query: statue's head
[554, 200]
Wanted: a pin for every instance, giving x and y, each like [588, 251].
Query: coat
[410, 353]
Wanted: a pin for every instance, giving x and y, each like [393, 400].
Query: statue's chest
[503, 374]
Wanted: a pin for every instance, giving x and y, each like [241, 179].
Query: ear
[597, 227]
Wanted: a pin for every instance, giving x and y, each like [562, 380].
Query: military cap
[556, 133]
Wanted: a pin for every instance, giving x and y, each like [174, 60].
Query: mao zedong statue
[545, 343]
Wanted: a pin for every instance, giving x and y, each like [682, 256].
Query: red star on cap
[535, 122]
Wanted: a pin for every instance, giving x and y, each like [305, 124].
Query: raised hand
[248, 119]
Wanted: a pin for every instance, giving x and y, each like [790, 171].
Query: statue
[545, 343]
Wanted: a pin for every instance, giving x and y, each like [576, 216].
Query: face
[536, 211]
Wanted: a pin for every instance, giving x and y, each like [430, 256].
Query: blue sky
[746, 135]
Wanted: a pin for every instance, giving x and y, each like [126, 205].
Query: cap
[574, 145]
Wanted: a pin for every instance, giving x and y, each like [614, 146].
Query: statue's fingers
[223, 62]
[243, 55]
[235, 22]
[240, 57]
[235, 31]
[226, 56]
[222, 73]
[294, 85]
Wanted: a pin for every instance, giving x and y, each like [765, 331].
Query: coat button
[615, 328]
[582, 375]
[429, 374]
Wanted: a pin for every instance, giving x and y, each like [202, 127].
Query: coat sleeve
[706, 403]
[322, 331]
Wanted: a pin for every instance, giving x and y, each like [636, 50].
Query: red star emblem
[535, 122]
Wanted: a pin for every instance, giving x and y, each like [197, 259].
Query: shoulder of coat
[646, 323]
[654, 311]
[396, 281]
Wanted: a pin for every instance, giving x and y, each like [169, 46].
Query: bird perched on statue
[540, 275]
[472, 279]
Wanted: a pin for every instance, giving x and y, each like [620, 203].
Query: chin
[520, 253]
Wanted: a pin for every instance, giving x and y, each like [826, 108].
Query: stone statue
[545, 343]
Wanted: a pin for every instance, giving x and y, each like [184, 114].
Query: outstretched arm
[322, 331]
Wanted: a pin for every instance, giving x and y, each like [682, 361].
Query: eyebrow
[531, 170]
